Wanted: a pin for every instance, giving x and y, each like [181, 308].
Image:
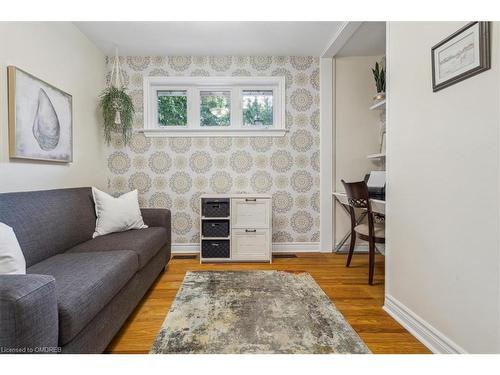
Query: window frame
[193, 86]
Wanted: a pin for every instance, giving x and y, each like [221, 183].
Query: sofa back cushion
[49, 222]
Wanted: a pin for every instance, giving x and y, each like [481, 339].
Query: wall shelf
[379, 105]
[376, 156]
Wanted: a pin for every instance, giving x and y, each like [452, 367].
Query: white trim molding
[341, 37]
[278, 247]
[361, 249]
[296, 247]
[433, 339]
[185, 248]
[388, 160]
[213, 132]
[327, 125]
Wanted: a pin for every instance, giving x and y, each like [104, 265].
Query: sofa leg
[164, 268]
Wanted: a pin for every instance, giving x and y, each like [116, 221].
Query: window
[257, 108]
[172, 108]
[214, 106]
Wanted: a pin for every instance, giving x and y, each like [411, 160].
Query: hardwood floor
[360, 303]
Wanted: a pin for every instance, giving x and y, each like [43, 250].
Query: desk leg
[348, 234]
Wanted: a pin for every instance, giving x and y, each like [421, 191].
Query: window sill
[213, 132]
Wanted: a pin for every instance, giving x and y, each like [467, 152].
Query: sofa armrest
[158, 217]
[28, 314]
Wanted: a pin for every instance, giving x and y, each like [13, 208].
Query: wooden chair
[358, 197]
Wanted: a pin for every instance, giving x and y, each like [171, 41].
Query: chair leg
[371, 264]
[351, 248]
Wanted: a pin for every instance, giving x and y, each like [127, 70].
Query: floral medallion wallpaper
[174, 172]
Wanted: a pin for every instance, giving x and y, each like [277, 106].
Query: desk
[378, 207]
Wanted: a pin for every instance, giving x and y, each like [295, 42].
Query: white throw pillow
[11, 256]
[116, 214]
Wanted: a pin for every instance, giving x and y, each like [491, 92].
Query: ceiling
[368, 40]
[211, 38]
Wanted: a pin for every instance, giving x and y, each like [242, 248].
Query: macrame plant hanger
[117, 73]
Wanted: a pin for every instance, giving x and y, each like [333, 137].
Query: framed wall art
[463, 54]
[40, 119]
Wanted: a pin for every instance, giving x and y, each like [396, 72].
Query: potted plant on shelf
[379, 76]
[117, 106]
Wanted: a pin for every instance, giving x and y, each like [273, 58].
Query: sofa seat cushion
[85, 283]
[144, 242]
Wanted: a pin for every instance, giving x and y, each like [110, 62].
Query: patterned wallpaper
[174, 172]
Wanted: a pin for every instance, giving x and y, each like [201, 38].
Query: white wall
[357, 129]
[443, 194]
[60, 54]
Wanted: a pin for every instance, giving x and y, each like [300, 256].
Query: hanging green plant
[118, 113]
[117, 106]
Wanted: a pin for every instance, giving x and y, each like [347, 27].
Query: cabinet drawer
[213, 207]
[251, 213]
[215, 228]
[215, 249]
[251, 244]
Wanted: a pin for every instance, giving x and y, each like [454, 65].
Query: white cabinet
[250, 236]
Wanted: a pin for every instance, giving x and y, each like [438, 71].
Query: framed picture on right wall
[463, 54]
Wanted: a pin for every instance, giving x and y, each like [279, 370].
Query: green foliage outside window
[215, 110]
[258, 110]
[172, 110]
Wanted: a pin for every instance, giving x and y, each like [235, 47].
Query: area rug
[254, 312]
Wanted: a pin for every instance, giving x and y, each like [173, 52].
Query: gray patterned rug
[254, 312]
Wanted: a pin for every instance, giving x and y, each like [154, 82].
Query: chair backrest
[48, 222]
[357, 194]
[358, 197]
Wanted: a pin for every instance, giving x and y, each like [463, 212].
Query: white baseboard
[433, 339]
[185, 248]
[296, 247]
[278, 247]
[357, 249]
[360, 249]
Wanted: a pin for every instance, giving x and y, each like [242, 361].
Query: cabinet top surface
[246, 195]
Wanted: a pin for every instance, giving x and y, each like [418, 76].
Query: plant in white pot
[379, 76]
[117, 106]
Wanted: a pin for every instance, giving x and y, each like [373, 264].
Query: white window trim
[193, 85]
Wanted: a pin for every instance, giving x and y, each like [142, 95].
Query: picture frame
[461, 55]
[40, 118]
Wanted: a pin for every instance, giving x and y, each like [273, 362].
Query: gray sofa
[78, 291]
